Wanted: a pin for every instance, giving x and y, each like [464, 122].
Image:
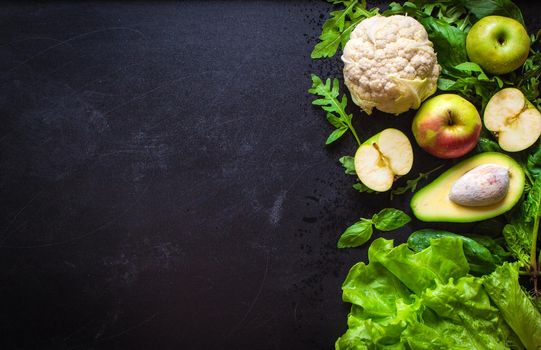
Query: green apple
[382, 158]
[447, 126]
[498, 44]
[513, 120]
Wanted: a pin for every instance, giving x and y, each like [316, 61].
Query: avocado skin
[432, 204]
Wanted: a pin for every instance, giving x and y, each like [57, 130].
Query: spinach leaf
[449, 41]
[482, 8]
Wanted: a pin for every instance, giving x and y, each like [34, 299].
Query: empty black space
[164, 182]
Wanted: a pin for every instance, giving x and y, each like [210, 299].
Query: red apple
[447, 126]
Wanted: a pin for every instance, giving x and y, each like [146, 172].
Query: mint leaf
[356, 235]
[390, 219]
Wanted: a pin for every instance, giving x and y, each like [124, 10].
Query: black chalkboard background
[163, 179]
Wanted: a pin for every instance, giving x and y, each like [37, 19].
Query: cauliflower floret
[390, 64]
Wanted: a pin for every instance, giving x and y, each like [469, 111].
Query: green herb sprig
[388, 219]
[334, 106]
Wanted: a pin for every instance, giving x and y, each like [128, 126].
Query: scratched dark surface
[164, 182]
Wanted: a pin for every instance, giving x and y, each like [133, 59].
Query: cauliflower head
[390, 64]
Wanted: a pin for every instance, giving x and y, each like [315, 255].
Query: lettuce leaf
[427, 300]
[517, 309]
[444, 259]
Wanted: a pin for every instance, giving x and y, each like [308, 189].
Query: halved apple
[513, 119]
[382, 158]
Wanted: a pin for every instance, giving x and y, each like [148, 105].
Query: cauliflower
[390, 64]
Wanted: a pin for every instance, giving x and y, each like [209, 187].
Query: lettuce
[517, 309]
[427, 300]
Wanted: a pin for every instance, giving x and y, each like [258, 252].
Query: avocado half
[432, 203]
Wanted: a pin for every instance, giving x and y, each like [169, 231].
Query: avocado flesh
[432, 203]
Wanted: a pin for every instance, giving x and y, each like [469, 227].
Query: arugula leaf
[357, 234]
[534, 162]
[390, 219]
[411, 185]
[360, 232]
[334, 106]
[338, 27]
[532, 204]
[518, 241]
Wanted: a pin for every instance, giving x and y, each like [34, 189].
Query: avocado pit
[483, 185]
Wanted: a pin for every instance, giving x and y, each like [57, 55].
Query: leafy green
[449, 41]
[518, 241]
[533, 165]
[348, 162]
[470, 80]
[487, 145]
[482, 8]
[528, 81]
[360, 232]
[334, 106]
[429, 265]
[424, 300]
[477, 249]
[338, 27]
[518, 311]
[390, 219]
[411, 185]
[357, 234]
[359, 186]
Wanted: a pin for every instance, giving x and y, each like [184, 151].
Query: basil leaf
[356, 235]
[390, 219]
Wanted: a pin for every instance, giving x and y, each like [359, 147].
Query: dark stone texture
[163, 179]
